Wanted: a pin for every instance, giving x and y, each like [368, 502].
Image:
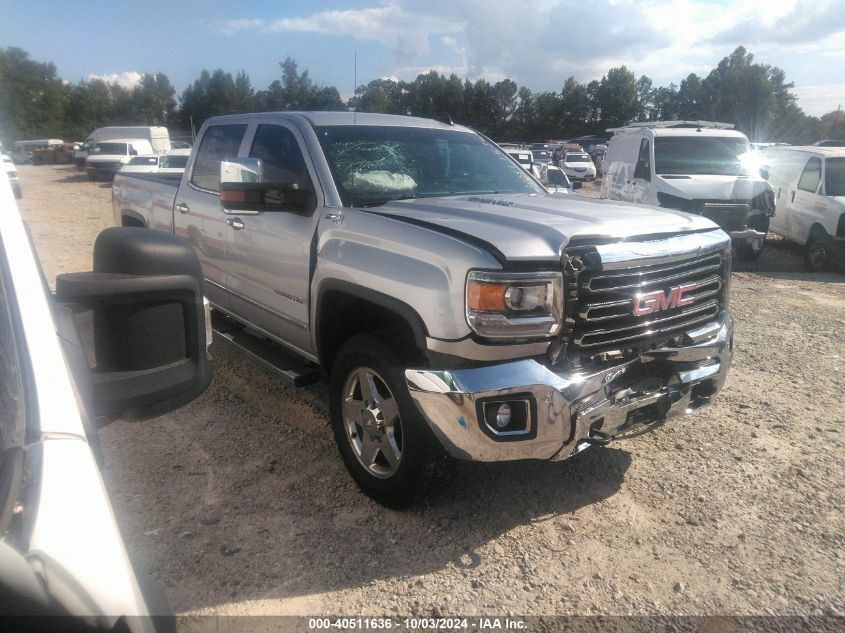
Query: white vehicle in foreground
[12, 174]
[578, 166]
[106, 158]
[809, 186]
[699, 167]
[61, 552]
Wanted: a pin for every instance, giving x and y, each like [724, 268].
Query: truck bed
[145, 199]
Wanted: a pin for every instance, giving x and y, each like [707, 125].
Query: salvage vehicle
[578, 166]
[700, 167]
[127, 340]
[454, 305]
[809, 185]
[556, 181]
[171, 163]
[105, 159]
[157, 136]
[23, 149]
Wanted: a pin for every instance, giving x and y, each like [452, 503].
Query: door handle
[235, 223]
[182, 208]
[792, 199]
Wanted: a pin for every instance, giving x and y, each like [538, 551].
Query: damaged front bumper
[557, 411]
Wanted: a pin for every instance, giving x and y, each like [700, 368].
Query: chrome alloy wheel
[372, 424]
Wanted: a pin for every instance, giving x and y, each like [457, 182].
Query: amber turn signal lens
[486, 297]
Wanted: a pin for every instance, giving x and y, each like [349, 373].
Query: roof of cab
[320, 119]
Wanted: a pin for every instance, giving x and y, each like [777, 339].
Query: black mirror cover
[148, 321]
[264, 196]
[577, 184]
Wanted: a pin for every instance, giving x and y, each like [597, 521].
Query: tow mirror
[150, 324]
[243, 189]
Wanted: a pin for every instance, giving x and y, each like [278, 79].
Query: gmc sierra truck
[457, 308]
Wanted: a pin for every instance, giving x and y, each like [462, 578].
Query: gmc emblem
[657, 300]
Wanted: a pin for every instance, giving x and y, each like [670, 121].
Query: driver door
[269, 252]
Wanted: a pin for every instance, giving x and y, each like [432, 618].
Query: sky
[537, 44]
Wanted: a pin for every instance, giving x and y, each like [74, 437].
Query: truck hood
[711, 187]
[529, 227]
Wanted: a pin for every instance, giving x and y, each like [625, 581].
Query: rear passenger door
[269, 252]
[197, 214]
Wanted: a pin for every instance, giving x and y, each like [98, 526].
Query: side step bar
[272, 355]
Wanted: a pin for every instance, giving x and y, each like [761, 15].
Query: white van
[107, 157]
[809, 186]
[694, 166]
[158, 137]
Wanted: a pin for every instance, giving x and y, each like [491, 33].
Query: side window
[277, 147]
[811, 176]
[643, 166]
[219, 142]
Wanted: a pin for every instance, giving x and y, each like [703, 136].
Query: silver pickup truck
[456, 307]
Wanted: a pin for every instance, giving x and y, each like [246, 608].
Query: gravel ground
[238, 503]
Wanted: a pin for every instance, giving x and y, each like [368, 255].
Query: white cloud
[128, 79]
[540, 44]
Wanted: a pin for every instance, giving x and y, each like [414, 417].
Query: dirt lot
[238, 503]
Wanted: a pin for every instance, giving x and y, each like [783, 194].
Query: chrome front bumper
[571, 408]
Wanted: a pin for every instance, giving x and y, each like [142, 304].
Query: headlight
[514, 305]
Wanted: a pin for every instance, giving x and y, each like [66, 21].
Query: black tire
[818, 252]
[423, 465]
[750, 250]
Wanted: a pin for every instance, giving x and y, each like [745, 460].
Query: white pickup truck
[455, 305]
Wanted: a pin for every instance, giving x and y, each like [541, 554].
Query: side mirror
[577, 184]
[244, 190]
[133, 151]
[764, 172]
[150, 326]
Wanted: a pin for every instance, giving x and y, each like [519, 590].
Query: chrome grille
[604, 311]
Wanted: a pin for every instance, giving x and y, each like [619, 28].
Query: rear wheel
[818, 251]
[383, 439]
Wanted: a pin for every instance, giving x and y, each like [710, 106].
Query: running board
[272, 355]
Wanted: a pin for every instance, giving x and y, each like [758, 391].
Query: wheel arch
[132, 218]
[345, 309]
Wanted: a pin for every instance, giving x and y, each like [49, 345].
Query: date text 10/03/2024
[418, 624]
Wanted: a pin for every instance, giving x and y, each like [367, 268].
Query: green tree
[617, 97]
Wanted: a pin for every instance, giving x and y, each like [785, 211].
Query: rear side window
[811, 176]
[219, 142]
[278, 149]
[12, 423]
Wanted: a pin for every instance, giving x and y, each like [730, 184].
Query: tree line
[36, 103]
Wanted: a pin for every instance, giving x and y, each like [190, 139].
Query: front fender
[417, 266]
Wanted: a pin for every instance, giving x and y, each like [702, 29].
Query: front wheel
[817, 252]
[384, 441]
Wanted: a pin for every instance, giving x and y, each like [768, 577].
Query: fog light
[503, 415]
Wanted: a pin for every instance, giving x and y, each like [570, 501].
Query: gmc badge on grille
[657, 300]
